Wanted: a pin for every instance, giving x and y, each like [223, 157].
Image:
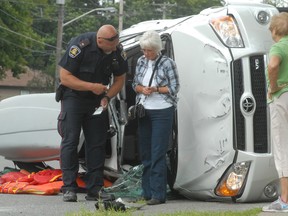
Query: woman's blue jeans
[154, 132]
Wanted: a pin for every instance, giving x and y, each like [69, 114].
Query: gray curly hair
[151, 40]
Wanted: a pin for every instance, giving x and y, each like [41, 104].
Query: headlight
[227, 30]
[234, 180]
[262, 17]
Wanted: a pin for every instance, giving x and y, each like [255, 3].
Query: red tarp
[45, 182]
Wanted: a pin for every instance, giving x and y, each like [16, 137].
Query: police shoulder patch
[74, 51]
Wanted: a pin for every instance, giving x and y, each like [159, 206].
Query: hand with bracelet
[149, 90]
[162, 89]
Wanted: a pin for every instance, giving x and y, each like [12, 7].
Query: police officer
[85, 71]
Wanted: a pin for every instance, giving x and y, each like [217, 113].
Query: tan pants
[279, 133]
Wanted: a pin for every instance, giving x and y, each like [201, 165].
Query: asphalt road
[35, 205]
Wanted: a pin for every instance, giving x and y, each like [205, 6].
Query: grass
[250, 212]
[102, 212]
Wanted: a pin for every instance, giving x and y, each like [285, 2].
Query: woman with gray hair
[156, 83]
[277, 79]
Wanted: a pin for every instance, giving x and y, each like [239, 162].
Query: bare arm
[116, 87]
[273, 68]
[70, 81]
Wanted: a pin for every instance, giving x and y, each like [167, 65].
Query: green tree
[141, 10]
[18, 40]
[277, 3]
[45, 19]
[90, 22]
[191, 7]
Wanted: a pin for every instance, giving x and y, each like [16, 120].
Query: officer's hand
[98, 88]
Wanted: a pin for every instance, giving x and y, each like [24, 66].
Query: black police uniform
[85, 60]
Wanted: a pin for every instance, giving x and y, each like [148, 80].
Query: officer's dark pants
[76, 113]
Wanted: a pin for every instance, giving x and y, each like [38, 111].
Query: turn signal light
[233, 180]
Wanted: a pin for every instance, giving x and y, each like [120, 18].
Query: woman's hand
[274, 90]
[146, 90]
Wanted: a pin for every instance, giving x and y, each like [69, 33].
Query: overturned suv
[220, 144]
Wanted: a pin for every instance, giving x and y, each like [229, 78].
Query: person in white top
[156, 83]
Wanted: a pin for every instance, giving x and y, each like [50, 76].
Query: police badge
[74, 51]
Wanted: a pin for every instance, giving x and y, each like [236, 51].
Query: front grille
[239, 127]
[260, 122]
[258, 81]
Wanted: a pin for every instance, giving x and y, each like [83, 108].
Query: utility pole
[59, 39]
[165, 7]
[121, 6]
